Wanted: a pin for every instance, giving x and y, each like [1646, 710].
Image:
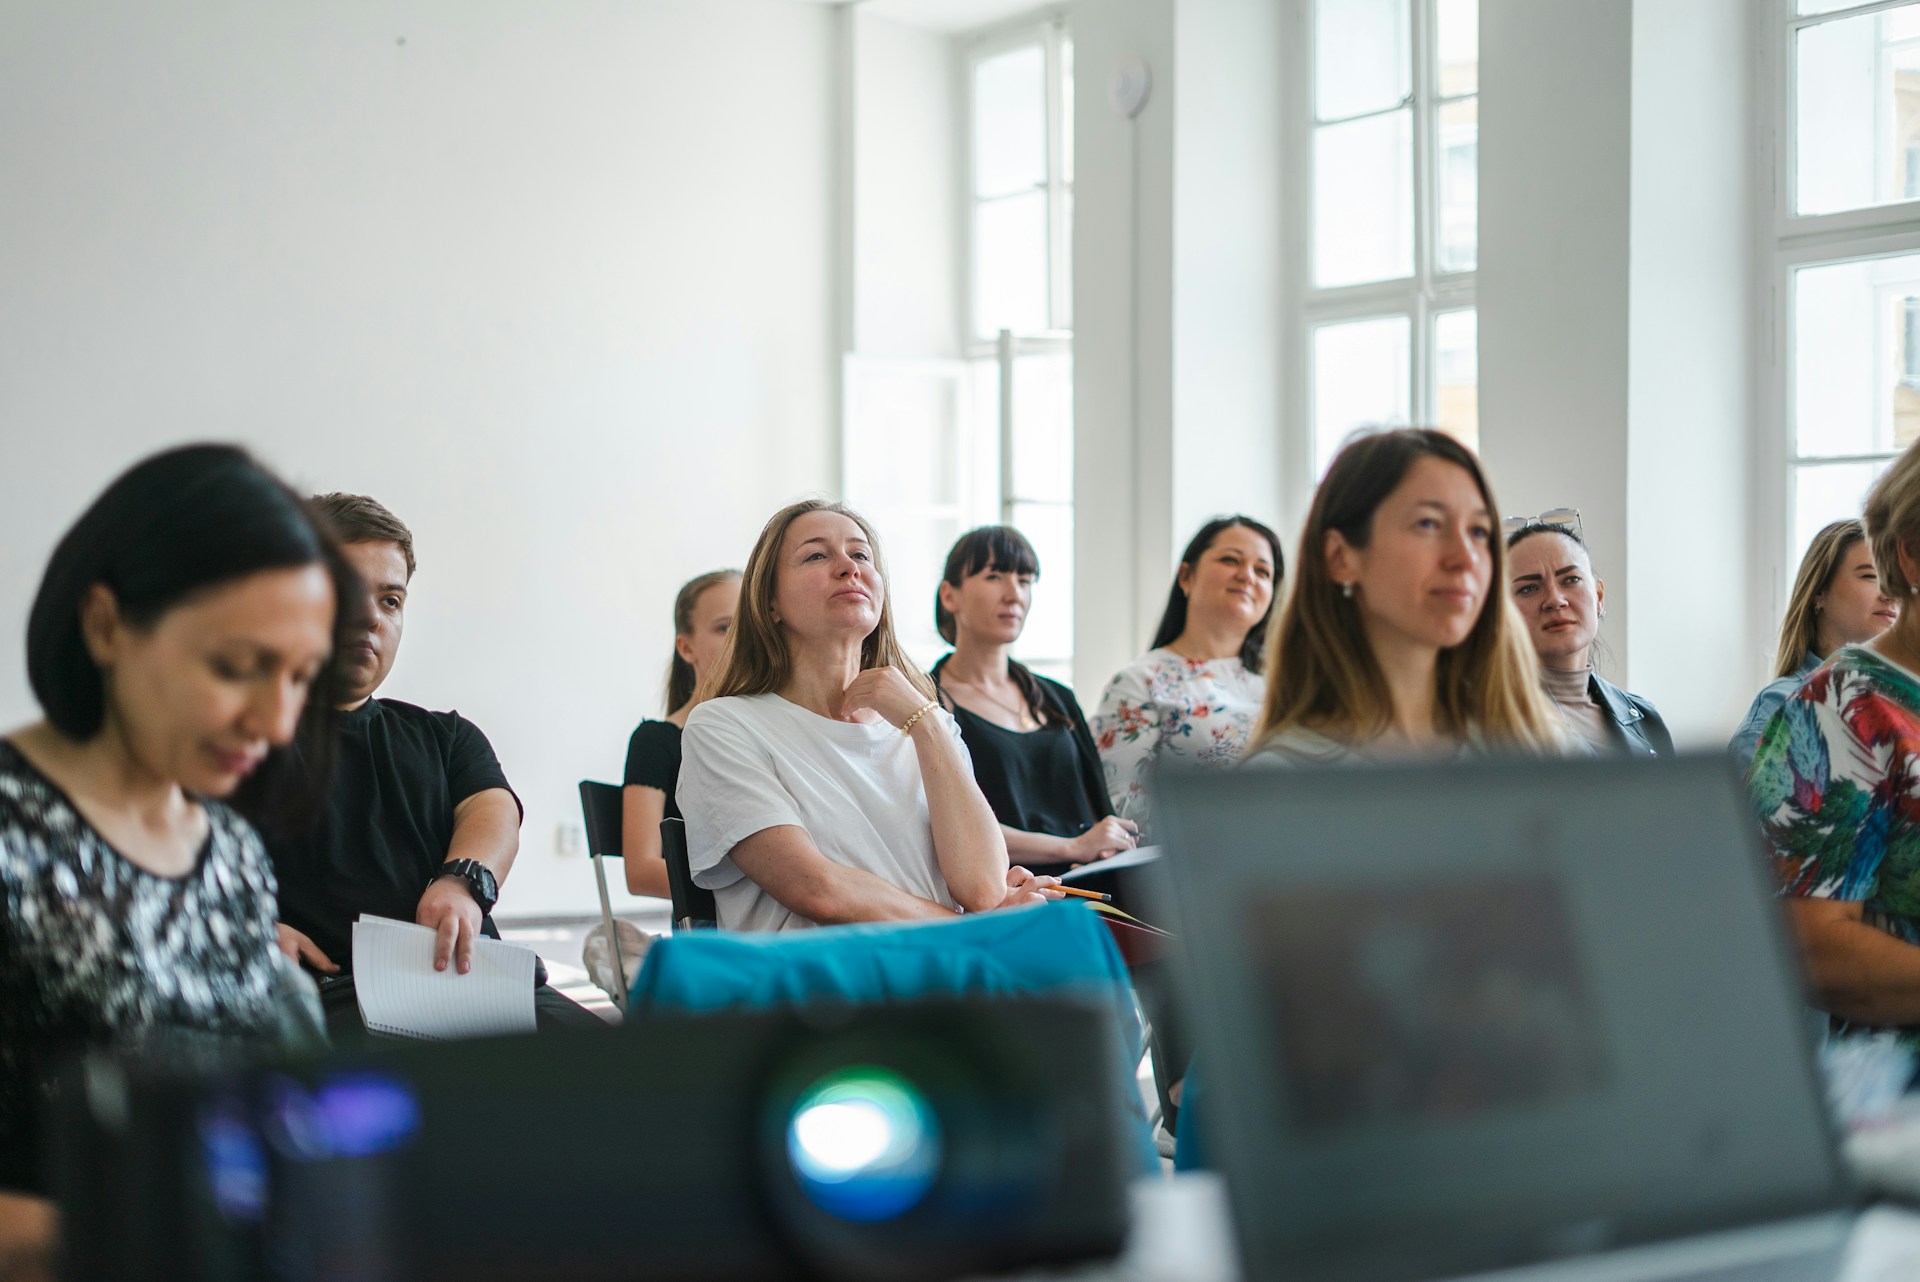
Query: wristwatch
[478, 879]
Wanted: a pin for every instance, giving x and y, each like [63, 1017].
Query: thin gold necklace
[1020, 713]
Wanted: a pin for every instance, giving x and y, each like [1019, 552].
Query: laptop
[1504, 1017]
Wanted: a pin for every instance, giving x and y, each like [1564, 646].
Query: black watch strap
[478, 879]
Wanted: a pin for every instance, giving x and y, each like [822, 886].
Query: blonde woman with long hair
[1837, 601]
[1397, 639]
[820, 779]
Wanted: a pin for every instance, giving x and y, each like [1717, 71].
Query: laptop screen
[1468, 1016]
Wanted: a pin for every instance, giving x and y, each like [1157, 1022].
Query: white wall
[1616, 300]
[1178, 328]
[906, 191]
[541, 283]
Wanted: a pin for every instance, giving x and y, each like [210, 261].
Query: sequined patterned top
[1166, 705]
[96, 952]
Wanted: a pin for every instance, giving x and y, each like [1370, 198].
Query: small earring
[1914, 590]
[1346, 590]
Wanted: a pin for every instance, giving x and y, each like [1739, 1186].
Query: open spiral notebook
[402, 995]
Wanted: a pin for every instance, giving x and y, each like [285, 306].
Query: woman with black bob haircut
[1197, 692]
[180, 644]
[1033, 755]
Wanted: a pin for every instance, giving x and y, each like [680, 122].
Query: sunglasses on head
[1567, 517]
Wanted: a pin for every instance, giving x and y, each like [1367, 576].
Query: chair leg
[613, 932]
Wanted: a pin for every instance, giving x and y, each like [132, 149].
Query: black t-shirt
[1047, 780]
[653, 760]
[398, 773]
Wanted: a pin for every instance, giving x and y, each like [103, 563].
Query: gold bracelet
[925, 708]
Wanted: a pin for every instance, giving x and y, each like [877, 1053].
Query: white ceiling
[951, 15]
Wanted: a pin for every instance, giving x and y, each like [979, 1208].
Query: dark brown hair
[1002, 548]
[179, 523]
[355, 518]
[1173, 620]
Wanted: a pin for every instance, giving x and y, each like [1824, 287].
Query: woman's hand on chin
[884, 691]
[1025, 890]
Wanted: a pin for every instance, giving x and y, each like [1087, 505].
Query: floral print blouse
[1165, 704]
[1835, 784]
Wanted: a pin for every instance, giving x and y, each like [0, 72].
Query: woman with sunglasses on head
[1551, 579]
[180, 643]
[1396, 640]
[1196, 693]
[1033, 755]
[1837, 601]
[820, 779]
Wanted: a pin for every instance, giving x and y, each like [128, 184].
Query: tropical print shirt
[1835, 783]
[1164, 704]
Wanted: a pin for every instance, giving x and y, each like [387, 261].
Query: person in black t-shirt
[702, 615]
[1033, 755]
[419, 822]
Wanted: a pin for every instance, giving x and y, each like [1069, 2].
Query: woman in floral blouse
[1197, 693]
[1836, 785]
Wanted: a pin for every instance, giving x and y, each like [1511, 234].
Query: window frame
[1420, 297]
[1801, 241]
[1049, 29]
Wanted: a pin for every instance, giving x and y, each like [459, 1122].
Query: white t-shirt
[753, 762]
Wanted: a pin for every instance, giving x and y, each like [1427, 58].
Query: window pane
[1858, 112]
[1363, 200]
[1010, 121]
[1459, 47]
[1049, 631]
[1066, 111]
[1457, 240]
[1363, 56]
[1856, 354]
[1828, 492]
[1456, 375]
[1010, 264]
[1361, 378]
[1043, 427]
[902, 437]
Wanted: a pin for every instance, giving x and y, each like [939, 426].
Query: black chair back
[692, 905]
[600, 808]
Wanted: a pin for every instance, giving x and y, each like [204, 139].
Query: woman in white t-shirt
[820, 780]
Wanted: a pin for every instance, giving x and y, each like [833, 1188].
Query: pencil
[1078, 893]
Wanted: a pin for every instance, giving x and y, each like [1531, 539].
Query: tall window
[1392, 151]
[1848, 250]
[1020, 182]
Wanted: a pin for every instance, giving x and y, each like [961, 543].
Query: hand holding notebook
[401, 994]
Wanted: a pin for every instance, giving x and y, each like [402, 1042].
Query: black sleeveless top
[1047, 780]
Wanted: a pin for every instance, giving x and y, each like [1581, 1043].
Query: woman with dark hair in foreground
[180, 642]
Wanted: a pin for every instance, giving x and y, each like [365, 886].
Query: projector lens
[864, 1144]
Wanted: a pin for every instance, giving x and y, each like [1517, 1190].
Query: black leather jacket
[1637, 726]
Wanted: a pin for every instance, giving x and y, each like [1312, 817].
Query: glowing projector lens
[864, 1145]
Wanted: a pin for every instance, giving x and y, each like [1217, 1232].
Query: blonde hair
[757, 659]
[1892, 518]
[1800, 630]
[1321, 671]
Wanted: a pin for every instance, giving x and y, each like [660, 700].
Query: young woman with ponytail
[702, 615]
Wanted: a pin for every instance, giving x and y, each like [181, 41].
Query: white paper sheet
[1126, 859]
[401, 994]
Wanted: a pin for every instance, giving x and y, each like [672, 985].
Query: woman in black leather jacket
[1552, 582]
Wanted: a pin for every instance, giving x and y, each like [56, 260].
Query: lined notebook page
[401, 994]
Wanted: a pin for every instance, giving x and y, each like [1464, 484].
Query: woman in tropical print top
[1836, 785]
